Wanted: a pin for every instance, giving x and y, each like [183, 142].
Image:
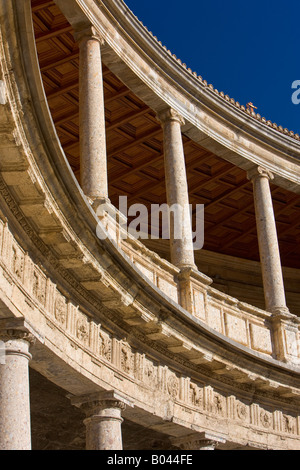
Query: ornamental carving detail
[60, 312]
[105, 346]
[173, 386]
[219, 404]
[242, 411]
[18, 262]
[39, 288]
[288, 424]
[196, 395]
[266, 419]
[127, 358]
[150, 372]
[82, 331]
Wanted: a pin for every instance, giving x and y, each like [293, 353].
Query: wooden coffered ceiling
[135, 151]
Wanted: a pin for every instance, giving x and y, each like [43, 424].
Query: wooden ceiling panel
[135, 151]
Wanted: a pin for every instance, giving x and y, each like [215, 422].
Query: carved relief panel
[105, 345]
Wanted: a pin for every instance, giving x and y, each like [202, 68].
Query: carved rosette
[242, 411]
[266, 419]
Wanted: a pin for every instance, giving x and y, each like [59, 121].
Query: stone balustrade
[248, 325]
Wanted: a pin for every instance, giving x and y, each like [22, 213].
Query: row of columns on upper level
[94, 179]
[103, 410]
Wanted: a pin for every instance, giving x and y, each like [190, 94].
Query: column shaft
[93, 159]
[268, 242]
[15, 432]
[181, 240]
[103, 419]
[103, 429]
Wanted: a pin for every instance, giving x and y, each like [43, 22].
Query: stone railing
[257, 329]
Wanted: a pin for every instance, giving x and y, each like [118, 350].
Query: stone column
[181, 240]
[15, 431]
[93, 158]
[103, 419]
[268, 242]
[201, 441]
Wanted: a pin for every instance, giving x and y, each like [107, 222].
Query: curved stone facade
[125, 333]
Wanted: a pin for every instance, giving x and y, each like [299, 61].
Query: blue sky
[250, 50]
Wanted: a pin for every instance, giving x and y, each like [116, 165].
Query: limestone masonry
[108, 342]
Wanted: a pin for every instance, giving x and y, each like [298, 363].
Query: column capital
[17, 328]
[259, 172]
[88, 32]
[96, 402]
[169, 115]
[203, 440]
[11, 334]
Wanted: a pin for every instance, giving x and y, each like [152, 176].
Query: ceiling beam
[53, 33]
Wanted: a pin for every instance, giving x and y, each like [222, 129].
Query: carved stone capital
[96, 403]
[259, 172]
[204, 440]
[16, 342]
[11, 334]
[88, 33]
[170, 115]
[16, 329]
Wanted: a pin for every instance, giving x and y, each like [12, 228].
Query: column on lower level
[275, 301]
[93, 158]
[15, 429]
[181, 239]
[103, 419]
